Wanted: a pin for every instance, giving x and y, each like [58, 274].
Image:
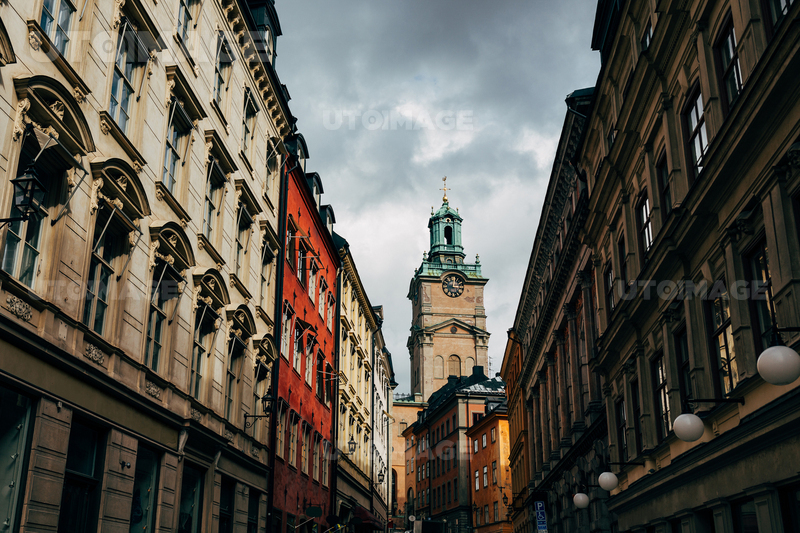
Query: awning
[362, 517]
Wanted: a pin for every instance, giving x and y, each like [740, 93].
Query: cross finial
[444, 188]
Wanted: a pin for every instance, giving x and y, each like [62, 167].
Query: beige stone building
[691, 160]
[365, 382]
[138, 297]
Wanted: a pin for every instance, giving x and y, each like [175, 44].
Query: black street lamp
[265, 401]
[29, 194]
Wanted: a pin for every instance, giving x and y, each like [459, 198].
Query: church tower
[448, 328]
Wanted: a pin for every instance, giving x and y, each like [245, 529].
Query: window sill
[205, 244]
[109, 125]
[163, 194]
[35, 32]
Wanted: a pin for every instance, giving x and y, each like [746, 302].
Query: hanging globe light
[608, 481]
[779, 365]
[581, 500]
[688, 427]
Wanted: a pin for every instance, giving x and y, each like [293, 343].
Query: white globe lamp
[581, 500]
[608, 481]
[779, 365]
[688, 427]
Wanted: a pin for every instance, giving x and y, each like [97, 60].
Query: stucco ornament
[19, 308]
[152, 389]
[93, 353]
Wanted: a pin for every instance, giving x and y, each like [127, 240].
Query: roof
[475, 384]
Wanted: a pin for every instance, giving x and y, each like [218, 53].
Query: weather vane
[444, 188]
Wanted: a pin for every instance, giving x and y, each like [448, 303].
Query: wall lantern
[29, 195]
[581, 500]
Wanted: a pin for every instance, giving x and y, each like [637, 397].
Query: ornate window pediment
[169, 243]
[117, 182]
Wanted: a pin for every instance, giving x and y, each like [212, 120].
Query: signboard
[541, 517]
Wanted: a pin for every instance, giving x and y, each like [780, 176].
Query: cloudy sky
[392, 95]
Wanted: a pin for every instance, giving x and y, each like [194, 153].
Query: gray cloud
[508, 64]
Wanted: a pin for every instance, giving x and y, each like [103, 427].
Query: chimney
[452, 379]
[477, 371]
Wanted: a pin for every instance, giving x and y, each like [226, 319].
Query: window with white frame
[248, 122]
[55, 22]
[286, 330]
[310, 361]
[164, 288]
[244, 229]
[222, 68]
[176, 146]
[205, 333]
[127, 80]
[186, 19]
[298, 347]
[236, 356]
[695, 124]
[293, 440]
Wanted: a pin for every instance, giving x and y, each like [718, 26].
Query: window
[312, 281]
[316, 459]
[722, 338]
[222, 68]
[306, 451]
[447, 427]
[323, 288]
[191, 508]
[609, 278]
[298, 347]
[622, 430]
[185, 17]
[483, 440]
[176, 147]
[496, 512]
[744, 515]
[777, 10]
[205, 333]
[486, 514]
[227, 497]
[494, 472]
[485, 476]
[695, 124]
[494, 435]
[760, 296]
[293, 441]
[215, 181]
[623, 257]
[55, 22]
[145, 489]
[165, 287]
[645, 226]
[244, 230]
[302, 256]
[267, 266]
[662, 177]
[280, 432]
[236, 349]
[475, 447]
[286, 334]
[80, 497]
[730, 76]
[682, 358]
[477, 481]
[321, 378]
[131, 54]
[328, 384]
[647, 36]
[261, 382]
[637, 411]
[310, 361]
[248, 122]
[253, 504]
[663, 419]
[100, 275]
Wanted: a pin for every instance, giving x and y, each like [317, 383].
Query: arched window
[470, 364]
[448, 234]
[212, 296]
[454, 366]
[438, 367]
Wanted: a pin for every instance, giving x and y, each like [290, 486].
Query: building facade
[364, 383]
[489, 463]
[691, 164]
[439, 477]
[305, 404]
[556, 409]
[137, 304]
[404, 413]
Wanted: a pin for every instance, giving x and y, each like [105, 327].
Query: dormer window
[301, 158]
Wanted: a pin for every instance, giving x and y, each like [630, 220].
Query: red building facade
[306, 318]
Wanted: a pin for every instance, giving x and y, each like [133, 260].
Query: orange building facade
[490, 484]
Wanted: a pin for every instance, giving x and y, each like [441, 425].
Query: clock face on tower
[453, 286]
